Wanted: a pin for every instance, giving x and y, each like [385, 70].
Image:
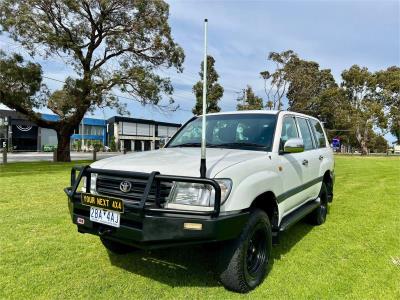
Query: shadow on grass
[290, 238]
[180, 266]
[193, 265]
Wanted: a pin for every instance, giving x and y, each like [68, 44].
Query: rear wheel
[115, 247]
[244, 261]
[318, 216]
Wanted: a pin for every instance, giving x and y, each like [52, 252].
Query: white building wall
[48, 137]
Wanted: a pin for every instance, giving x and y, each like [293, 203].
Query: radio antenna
[203, 167]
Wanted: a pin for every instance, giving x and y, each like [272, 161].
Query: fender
[250, 187]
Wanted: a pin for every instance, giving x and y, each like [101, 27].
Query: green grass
[350, 256]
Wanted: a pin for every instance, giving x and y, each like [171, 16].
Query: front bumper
[154, 227]
[161, 230]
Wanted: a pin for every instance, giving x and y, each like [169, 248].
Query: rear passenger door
[311, 160]
[323, 149]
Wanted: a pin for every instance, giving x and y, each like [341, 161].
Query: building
[19, 133]
[130, 134]
[91, 130]
[134, 134]
[24, 135]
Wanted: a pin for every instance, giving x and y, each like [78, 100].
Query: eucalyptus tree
[248, 100]
[109, 44]
[214, 90]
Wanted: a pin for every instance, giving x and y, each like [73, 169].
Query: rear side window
[318, 134]
[305, 134]
[289, 130]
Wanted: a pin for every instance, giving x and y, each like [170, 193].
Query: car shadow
[178, 266]
[289, 238]
[194, 265]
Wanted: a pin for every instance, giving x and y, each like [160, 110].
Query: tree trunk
[362, 141]
[63, 146]
[364, 148]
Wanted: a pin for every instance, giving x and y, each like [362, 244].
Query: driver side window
[289, 130]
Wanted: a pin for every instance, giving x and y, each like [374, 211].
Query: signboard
[336, 143]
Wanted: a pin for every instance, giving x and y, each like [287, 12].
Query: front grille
[109, 186]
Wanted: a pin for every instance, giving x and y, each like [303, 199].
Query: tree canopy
[249, 101]
[360, 109]
[276, 82]
[109, 44]
[214, 90]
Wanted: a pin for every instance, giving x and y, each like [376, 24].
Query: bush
[113, 145]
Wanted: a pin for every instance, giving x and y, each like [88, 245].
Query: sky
[336, 34]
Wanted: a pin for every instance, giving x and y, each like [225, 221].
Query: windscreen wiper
[186, 145]
[237, 144]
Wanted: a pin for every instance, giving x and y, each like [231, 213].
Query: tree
[109, 44]
[249, 101]
[306, 83]
[377, 143]
[388, 87]
[366, 109]
[276, 83]
[214, 90]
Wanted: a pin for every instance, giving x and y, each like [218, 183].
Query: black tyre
[115, 247]
[318, 216]
[244, 261]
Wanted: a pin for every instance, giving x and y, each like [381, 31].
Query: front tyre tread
[233, 261]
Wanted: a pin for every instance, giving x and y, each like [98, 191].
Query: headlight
[197, 194]
[93, 180]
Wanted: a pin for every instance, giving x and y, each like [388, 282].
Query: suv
[266, 170]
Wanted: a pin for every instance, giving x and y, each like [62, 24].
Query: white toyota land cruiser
[266, 170]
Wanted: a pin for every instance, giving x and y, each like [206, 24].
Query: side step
[298, 214]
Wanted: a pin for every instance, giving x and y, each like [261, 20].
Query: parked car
[266, 170]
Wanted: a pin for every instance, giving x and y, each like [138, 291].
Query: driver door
[292, 168]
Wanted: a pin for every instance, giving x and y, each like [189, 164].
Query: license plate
[98, 201]
[104, 216]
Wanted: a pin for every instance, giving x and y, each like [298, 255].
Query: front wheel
[244, 261]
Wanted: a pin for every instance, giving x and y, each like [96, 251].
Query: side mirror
[294, 146]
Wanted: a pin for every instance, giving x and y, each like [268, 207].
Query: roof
[117, 119]
[267, 112]
[48, 117]
[86, 121]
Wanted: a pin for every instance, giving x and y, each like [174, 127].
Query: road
[48, 156]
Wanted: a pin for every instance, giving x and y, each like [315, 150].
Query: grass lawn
[353, 255]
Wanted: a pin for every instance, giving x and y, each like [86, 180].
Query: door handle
[321, 157]
[305, 162]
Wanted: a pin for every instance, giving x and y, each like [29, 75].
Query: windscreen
[237, 131]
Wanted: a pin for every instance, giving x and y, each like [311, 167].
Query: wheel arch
[329, 181]
[268, 203]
